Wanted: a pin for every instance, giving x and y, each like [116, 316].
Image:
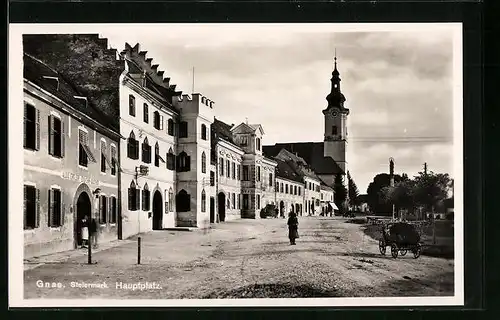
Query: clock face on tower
[335, 113]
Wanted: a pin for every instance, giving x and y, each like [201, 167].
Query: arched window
[146, 151]
[170, 200]
[133, 197]
[132, 147]
[183, 162]
[203, 162]
[203, 201]
[157, 155]
[183, 201]
[170, 127]
[131, 105]
[204, 131]
[145, 198]
[170, 159]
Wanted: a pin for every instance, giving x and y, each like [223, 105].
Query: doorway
[282, 209]
[157, 211]
[83, 208]
[221, 202]
[212, 210]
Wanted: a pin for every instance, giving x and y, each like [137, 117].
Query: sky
[398, 85]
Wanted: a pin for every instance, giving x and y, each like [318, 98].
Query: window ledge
[30, 150]
[82, 167]
[56, 158]
[55, 228]
[30, 231]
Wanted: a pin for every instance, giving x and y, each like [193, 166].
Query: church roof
[311, 152]
[36, 71]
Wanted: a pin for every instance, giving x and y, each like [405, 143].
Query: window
[310, 186]
[212, 178]
[131, 105]
[270, 179]
[133, 197]
[157, 155]
[228, 168]
[84, 153]
[204, 131]
[233, 171]
[145, 113]
[113, 160]
[183, 129]
[55, 216]
[146, 195]
[113, 210]
[317, 202]
[132, 147]
[31, 127]
[257, 175]
[246, 176]
[146, 151]
[170, 200]
[203, 162]
[238, 201]
[183, 201]
[295, 190]
[233, 201]
[221, 166]
[244, 141]
[317, 188]
[170, 159]
[228, 200]
[258, 201]
[183, 162]
[31, 207]
[334, 130]
[321, 196]
[257, 143]
[157, 121]
[103, 209]
[238, 173]
[299, 188]
[103, 156]
[56, 137]
[203, 201]
[246, 202]
[170, 127]
[286, 188]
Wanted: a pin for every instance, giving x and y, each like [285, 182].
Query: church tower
[335, 141]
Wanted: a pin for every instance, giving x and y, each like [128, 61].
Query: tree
[376, 196]
[401, 195]
[353, 191]
[431, 188]
[340, 192]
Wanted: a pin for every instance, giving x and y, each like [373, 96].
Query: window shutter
[51, 208]
[63, 139]
[37, 208]
[161, 122]
[138, 199]
[37, 146]
[25, 120]
[25, 202]
[144, 200]
[62, 210]
[51, 135]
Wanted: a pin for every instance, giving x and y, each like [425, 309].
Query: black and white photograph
[235, 165]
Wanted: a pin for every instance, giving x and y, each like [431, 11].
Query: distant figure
[276, 212]
[93, 232]
[85, 231]
[293, 226]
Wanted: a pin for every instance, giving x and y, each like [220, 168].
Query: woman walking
[293, 225]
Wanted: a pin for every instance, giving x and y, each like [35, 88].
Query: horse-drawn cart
[401, 237]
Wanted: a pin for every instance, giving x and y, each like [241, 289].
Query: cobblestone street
[246, 258]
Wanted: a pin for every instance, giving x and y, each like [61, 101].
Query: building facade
[328, 206]
[70, 164]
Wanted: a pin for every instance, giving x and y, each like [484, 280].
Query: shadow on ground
[273, 290]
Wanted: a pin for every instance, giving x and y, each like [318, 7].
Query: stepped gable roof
[35, 70]
[311, 152]
[221, 130]
[283, 170]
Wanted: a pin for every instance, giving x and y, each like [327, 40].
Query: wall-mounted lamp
[96, 192]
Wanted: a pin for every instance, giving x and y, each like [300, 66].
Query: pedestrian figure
[93, 232]
[293, 225]
[85, 231]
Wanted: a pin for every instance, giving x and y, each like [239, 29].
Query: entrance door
[212, 210]
[157, 211]
[221, 202]
[83, 208]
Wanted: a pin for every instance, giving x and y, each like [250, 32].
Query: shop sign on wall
[79, 178]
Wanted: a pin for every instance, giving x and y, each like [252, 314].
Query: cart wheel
[394, 250]
[417, 250]
[403, 252]
[381, 247]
